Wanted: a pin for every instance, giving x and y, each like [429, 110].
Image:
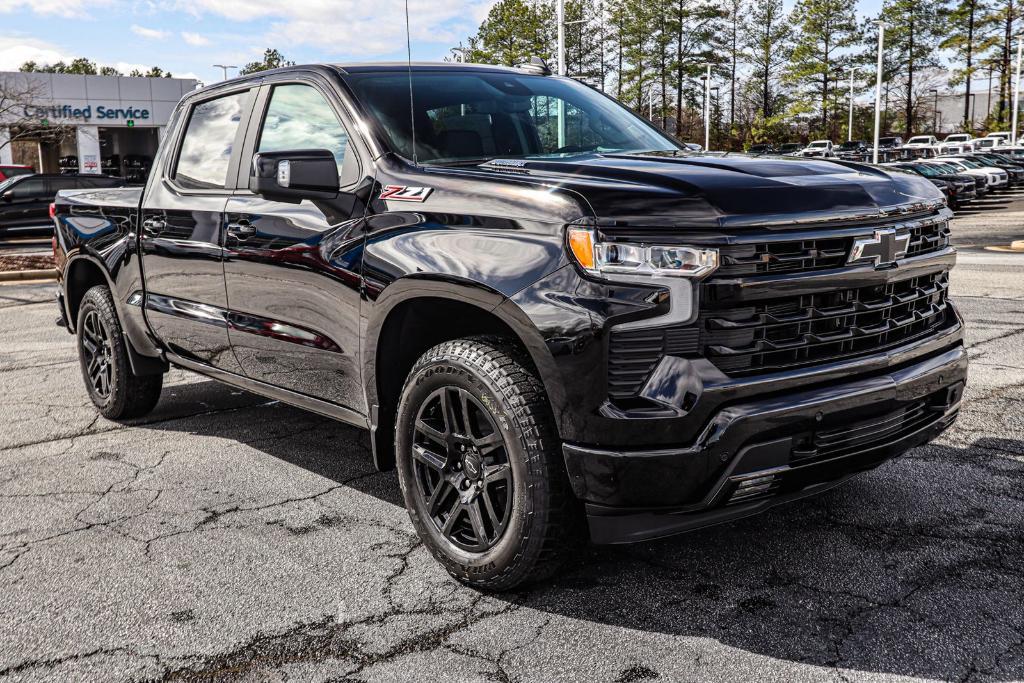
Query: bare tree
[22, 99]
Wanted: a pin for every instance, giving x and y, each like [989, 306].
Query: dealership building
[62, 123]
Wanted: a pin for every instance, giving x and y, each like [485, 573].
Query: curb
[14, 275]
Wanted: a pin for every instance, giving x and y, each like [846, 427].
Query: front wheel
[479, 465]
[116, 391]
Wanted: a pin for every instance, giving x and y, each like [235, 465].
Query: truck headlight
[611, 258]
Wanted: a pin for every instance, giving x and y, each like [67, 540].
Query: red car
[9, 171]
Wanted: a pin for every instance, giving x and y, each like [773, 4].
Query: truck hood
[702, 191]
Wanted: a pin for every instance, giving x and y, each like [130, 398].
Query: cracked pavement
[229, 537]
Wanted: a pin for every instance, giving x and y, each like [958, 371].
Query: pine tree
[912, 33]
[824, 31]
[513, 32]
[768, 45]
[966, 28]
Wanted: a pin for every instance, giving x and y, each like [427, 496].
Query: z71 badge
[401, 193]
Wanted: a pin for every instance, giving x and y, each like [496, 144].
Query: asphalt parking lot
[228, 537]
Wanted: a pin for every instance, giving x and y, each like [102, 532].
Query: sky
[187, 37]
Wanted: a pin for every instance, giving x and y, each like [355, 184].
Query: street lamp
[225, 68]
[878, 90]
[707, 109]
[849, 126]
[935, 116]
[718, 107]
[1016, 93]
[974, 100]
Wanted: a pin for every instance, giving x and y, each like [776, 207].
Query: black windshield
[476, 116]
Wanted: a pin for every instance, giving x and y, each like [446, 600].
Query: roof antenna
[412, 110]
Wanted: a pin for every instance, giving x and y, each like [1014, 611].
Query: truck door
[183, 228]
[292, 270]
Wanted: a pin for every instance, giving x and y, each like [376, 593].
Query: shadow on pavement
[914, 569]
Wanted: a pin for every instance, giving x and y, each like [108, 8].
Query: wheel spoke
[478, 523]
[451, 425]
[491, 512]
[434, 435]
[489, 443]
[429, 458]
[464, 406]
[437, 496]
[453, 514]
[495, 473]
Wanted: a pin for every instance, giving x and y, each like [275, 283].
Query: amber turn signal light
[581, 243]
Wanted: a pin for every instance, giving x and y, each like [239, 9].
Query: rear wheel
[480, 465]
[103, 355]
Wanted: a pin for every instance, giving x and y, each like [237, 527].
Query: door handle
[242, 229]
[153, 225]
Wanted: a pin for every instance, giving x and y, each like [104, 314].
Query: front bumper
[767, 451]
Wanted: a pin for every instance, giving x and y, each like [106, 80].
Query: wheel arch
[405, 324]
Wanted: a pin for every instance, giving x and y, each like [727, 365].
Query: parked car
[1003, 138]
[494, 305]
[790, 148]
[997, 178]
[1014, 168]
[818, 148]
[761, 149]
[949, 170]
[25, 200]
[959, 189]
[921, 142]
[988, 144]
[11, 171]
[957, 143]
[853, 150]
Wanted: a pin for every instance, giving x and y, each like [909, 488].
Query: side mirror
[292, 176]
[7, 196]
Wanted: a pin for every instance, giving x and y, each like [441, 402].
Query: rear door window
[33, 188]
[209, 139]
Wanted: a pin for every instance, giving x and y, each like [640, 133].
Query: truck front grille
[783, 333]
[807, 255]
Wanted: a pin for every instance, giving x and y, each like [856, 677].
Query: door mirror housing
[291, 176]
[7, 196]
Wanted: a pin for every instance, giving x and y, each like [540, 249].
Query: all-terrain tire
[103, 354]
[544, 519]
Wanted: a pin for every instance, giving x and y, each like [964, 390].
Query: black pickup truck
[548, 313]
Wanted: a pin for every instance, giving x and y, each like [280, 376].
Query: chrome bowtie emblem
[884, 248]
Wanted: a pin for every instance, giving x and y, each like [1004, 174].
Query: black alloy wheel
[480, 465]
[463, 475]
[103, 354]
[97, 353]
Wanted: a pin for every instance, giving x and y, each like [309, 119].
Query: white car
[818, 148]
[992, 142]
[995, 178]
[921, 142]
[957, 143]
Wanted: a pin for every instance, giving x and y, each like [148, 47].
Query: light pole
[974, 101]
[717, 92]
[878, 90]
[849, 126]
[935, 116]
[225, 67]
[707, 109]
[1016, 92]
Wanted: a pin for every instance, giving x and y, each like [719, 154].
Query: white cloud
[194, 39]
[63, 8]
[15, 51]
[348, 26]
[150, 33]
